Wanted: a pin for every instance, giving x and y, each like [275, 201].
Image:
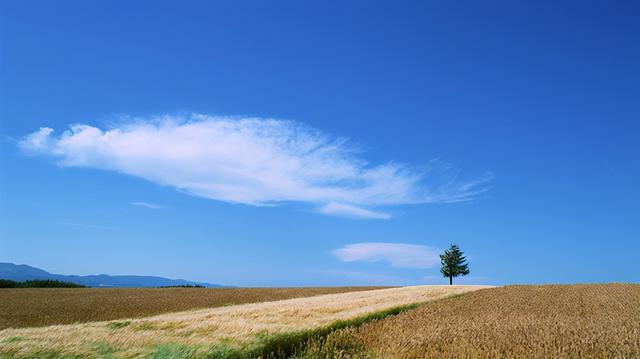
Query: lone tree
[453, 263]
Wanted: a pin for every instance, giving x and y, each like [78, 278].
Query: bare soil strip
[34, 307]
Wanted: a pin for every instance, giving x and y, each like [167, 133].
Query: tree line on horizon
[39, 283]
[53, 283]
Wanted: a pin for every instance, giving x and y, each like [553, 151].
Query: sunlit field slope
[26, 307]
[554, 321]
[201, 331]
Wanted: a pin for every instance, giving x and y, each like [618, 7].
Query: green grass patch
[118, 325]
[104, 350]
[173, 351]
[12, 340]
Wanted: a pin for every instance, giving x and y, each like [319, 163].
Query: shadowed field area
[26, 307]
[552, 321]
[202, 332]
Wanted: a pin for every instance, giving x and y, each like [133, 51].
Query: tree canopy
[454, 263]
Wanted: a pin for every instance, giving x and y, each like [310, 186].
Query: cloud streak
[147, 205]
[398, 255]
[345, 210]
[253, 161]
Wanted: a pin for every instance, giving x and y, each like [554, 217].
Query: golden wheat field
[202, 329]
[30, 307]
[552, 321]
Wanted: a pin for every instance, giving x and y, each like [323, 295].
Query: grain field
[202, 329]
[551, 321]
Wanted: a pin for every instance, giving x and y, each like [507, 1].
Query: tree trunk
[450, 280]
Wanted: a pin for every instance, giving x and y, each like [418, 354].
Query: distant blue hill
[22, 272]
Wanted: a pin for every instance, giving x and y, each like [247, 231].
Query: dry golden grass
[236, 325]
[31, 307]
[555, 321]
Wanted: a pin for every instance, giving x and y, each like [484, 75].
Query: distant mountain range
[22, 272]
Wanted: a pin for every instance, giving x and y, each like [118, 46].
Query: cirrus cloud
[345, 210]
[253, 161]
[399, 255]
[147, 205]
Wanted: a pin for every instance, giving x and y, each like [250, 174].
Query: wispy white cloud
[255, 162]
[345, 210]
[397, 254]
[147, 205]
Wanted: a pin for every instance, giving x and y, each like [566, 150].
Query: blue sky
[290, 143]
